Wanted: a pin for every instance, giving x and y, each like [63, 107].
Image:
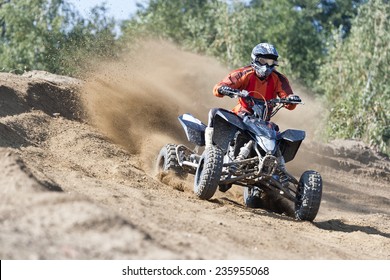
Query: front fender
[226, 124]
[290, 141]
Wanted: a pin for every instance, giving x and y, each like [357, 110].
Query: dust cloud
[136, 101]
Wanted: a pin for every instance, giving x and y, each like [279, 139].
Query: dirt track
[77, 183]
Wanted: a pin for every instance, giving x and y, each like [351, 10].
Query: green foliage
[298, 28]
[355, 78]
[25, 25]
[87, 42]
[230, 31]
[49, 35]
[330, 14]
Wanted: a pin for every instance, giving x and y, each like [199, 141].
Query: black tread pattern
[167, 160]
[208, 173]
[308, 198]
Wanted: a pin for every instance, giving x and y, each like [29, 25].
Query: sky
[119, 9]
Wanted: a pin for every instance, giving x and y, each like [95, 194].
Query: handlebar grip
[228, 91]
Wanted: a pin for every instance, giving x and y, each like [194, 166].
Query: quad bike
[247, 151]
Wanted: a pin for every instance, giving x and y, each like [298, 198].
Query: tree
[328, 15]
[86, 42]
[356, 76]
[50, 35]
[230, 31]
[25, 25]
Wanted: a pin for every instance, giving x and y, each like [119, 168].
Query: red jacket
[245, 78]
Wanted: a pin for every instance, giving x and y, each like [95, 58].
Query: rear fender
[193, 128]
[226, 124]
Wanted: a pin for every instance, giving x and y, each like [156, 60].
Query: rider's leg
[208, 134]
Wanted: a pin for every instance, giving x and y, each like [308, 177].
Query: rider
[259, 80]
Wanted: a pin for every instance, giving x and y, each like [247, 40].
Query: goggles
[264, 61]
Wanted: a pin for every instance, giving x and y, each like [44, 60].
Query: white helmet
[264, 59]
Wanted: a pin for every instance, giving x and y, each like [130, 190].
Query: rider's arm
[235, 80]
[284, 89]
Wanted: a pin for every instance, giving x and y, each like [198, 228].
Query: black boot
[224, 188]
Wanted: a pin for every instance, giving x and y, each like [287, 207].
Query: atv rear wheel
[208, 173]
[252, 200]
[167, 160]
[308, 197]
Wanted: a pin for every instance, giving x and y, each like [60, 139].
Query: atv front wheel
[167, 160]
[308, 197]
[208, 173]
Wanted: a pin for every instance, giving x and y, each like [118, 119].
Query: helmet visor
[268, 61]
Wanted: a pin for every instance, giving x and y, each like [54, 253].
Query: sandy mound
[76, 180]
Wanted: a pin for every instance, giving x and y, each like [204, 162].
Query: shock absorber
[245, 150]
[244, 153]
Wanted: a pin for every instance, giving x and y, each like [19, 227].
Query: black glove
[294, 98]
[228, 91]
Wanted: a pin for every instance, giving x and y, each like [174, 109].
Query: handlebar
[284, 101]
[234, 93]
[242, 94]
[275, 101]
